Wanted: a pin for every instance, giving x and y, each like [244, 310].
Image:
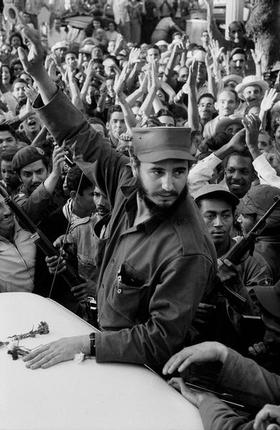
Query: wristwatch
[92, 344]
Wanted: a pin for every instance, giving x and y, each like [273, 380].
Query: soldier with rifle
[238, 270]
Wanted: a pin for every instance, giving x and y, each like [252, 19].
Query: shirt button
[119, 290]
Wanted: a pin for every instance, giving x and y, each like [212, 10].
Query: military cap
[154, 144]
[27, 155]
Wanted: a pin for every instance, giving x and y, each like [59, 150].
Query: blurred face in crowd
[19, 91]
[152, 55]
[162, 182]
[201, 72]
[18, 69]
[32, 124]
[252, 93]
[27, 78]
[230, 85]
[71, 60]
[116, 124]
[97, 53]
[218, 217]
[236, 32]
[247, 222]
[101, 202]
[60, 53]
[57, 24]
[5, 50]
[7, 172]
[83, 203]
[183, 74]
[162, 47]
[98, 68]
[237, 64]
[111, 26]
[7, 140]
[2, 36]
[226, 103]
[205, 38]
[206, 108]
[33, 175]
[15, 42]
[5, 75]
[232, 129]
[265, 142]
[239, 174]
[96, 24]
[7, 221]
[167, 121]
[277, 137]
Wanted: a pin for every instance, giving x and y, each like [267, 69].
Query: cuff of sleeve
[228, 371]
[260, 161]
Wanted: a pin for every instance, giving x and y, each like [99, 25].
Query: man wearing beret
[38, 180]
[158, 259]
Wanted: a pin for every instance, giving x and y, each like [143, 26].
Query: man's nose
[35, 178]
[167, 183]
[218, 221]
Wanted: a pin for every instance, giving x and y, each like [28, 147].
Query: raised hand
[134, 56]
[257, 55]
[268, 99]
[200, 353]
[33, 62]
[191, 82]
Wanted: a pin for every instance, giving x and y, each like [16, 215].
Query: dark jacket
[153, 275]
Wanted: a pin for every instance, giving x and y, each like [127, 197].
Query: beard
[160, 211]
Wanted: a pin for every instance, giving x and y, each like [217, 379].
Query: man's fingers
[37, 351]
[178, 361]
[40, 360]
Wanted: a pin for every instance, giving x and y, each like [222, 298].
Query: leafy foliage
[263, 25]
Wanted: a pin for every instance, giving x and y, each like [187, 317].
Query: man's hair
[154, 47]
[8, 154]
[6, 127]
[71, 51]
[19, 80]
[245, 154]
[77, 181]
[164, 112]
[239, 23]
[206, 95]
[112, 109]
[237, 51]
[229, 90]
[16, 34]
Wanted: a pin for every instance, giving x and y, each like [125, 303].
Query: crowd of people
[142, 159]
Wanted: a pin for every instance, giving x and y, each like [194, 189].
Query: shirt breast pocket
[129, 296]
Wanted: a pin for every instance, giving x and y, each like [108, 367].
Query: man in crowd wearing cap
[217, 206]
[158, 258]
[252, 207]
[39, 180]
[251, 90]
